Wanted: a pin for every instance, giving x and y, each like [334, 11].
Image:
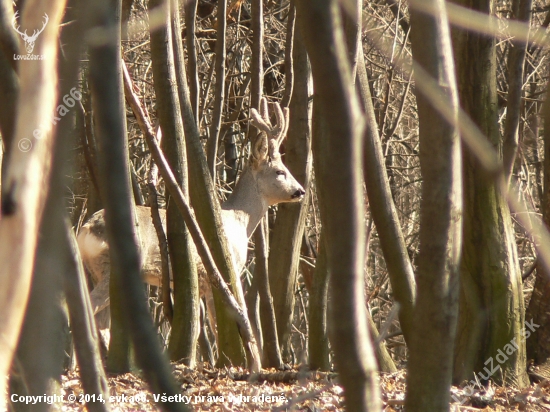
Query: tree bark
[41, 348]
[268, 327]
[521, 10]
[9, 44]
[318, 342]
[25, 183]
[289, 227]
[193, 77]
[105, 66]
[384, 213]
[338, 165]
[81, 317]
[491, 309]
[383, 357]
[234, 309]
[118, 359]
[429, 370]
[538, 311]
[256, 64]
[353, 30]
[208, 212]
[9, 82]
[185, 328]
[219, 91]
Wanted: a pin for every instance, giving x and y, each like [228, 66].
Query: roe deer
[264, 182]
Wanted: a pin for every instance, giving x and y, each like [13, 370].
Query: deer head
[273, 179]
[29, 40]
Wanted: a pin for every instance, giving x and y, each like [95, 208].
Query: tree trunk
[105, 80]
[538, 311]
[219, 91]
[318, 342]
[9, 82]
[268, 327]
[516, 59]
[41, 348]
[289, 227]
[185, 327]
[207, 208]
[383, 357]
[383, 210]
[25, 182]
[429, 369]
[235, 310]
[118, 360]
[190, 26]
[83, 328]
[338, 165]
[491, 309]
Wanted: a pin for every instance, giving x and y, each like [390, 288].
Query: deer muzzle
[298, 194]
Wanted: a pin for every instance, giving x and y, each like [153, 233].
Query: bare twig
[219, 92]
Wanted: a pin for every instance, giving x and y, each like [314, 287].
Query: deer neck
[246, 202]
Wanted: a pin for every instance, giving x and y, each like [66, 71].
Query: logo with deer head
[29, 40]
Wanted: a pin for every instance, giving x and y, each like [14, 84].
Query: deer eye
[281, 173]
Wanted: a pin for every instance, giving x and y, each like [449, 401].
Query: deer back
[92, 242]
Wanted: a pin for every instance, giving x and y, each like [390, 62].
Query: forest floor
[233, 389]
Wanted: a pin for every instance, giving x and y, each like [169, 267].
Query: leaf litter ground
[234, 389]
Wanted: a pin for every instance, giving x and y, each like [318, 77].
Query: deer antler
[15, 26]
[275, 133]
[37, 32]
